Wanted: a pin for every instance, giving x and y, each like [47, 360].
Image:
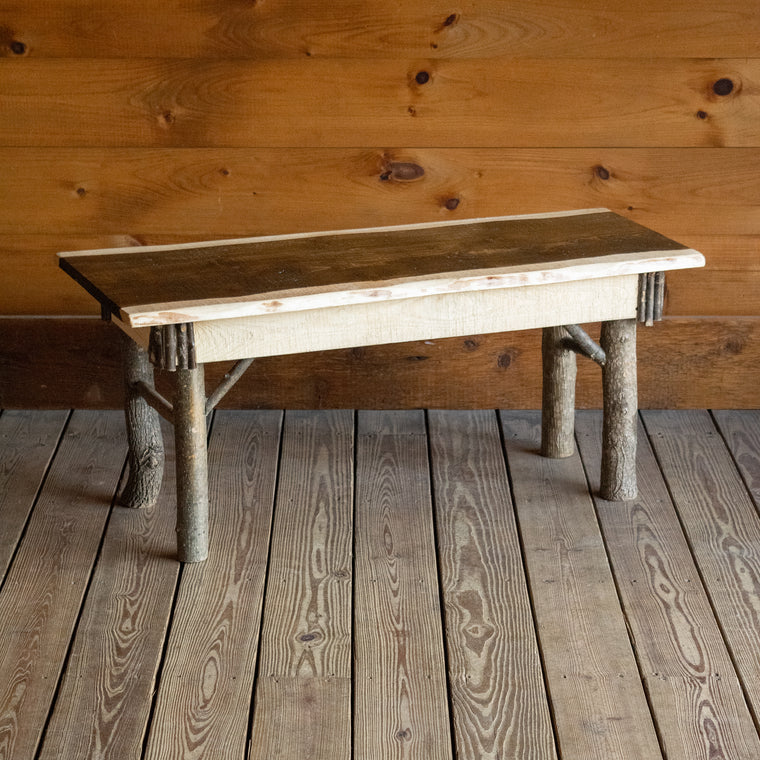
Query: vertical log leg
[146, 445]
[618, 479]
[558, 404]
[192, 464]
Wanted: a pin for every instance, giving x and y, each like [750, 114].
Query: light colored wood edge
[326, 233]
[344, 294]
[140, 335]
[397, 321]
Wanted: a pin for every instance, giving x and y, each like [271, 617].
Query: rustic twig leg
[618, 480]
[192, 464]
[146, 445]
[558, 405]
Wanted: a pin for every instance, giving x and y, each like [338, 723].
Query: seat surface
[146, 286]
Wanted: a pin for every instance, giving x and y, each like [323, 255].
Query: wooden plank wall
[132, 122]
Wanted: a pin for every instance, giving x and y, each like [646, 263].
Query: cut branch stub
[172, 347]
[651, 297]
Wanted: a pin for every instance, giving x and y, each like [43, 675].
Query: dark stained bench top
[145, 286]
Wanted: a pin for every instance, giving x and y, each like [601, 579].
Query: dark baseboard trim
[707, 362]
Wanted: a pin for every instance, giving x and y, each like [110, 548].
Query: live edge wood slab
[184, 305]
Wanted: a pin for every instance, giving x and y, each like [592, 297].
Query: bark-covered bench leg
[618, 479]
[192, 464]
[146, 445]
[558, 403]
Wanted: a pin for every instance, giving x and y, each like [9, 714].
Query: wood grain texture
[498, 699]
[223, 118]
[599, 706]
[740, 430]
[400, 697]
[669, 617]
[728, 286]
[303, 694]
[684, 363]
[335, 103]
[238, 192]
[696, 698]
[27, 443]
[203, 701]
[43, 590]
[253, 276]
[103, 705]
[399, 320]
[722, 526]
[351, 28]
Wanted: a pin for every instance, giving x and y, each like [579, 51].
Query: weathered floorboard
[43, 591]
[27, 444]
[400, 699]
[203, 702]
[103, 706]
[741, 431]
[599, 706]
[305, 659]
[84, 614]
[696, 698]
[499, 703]
[722, 526]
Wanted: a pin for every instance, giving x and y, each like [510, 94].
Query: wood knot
[422, 77]
[733, 346]
[470, 344]
[306, 637]
[451, 203]
[505, 360]
[404, 735]
[451, 19]
[402, 171]
[81, 192]
[724, 86]
[17, 47]
[601, 172]
[167, 118]
[701, 114]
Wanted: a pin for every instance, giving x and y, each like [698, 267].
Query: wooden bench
[181, 306]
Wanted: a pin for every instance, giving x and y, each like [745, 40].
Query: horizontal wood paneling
[70, 199]
[133, 121]
[61, 363]
[336, 103]
[236, 192]
[300, 28]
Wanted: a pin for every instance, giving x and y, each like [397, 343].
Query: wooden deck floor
[383, 585]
